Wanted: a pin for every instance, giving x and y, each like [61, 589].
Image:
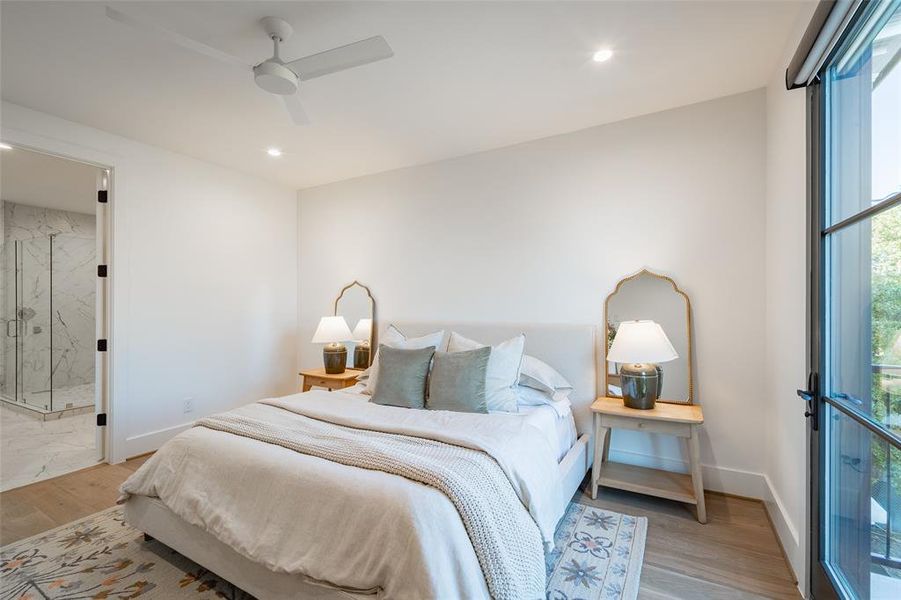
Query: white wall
[203, 280]
[542, 231]
[786, 309]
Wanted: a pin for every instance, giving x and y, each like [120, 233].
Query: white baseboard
[716, 478]
[150, 441]
[793, 545]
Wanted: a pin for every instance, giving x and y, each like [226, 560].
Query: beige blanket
[355, 528]
[504, 536]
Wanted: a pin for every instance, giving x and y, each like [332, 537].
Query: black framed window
[855, 161]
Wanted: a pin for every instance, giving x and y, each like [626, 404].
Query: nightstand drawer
[322, 382]
[647, 425]
[319, 378]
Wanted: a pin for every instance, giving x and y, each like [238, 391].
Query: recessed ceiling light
[5, 146]
[274, 152]
[603, 55]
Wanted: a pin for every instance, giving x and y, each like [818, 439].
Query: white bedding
[344, 526]
[559, 431]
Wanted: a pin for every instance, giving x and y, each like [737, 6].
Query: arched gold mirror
[649, 318]
[356, 304]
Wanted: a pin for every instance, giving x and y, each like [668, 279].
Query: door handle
[14, 322]
[811, 397]
[806, 395]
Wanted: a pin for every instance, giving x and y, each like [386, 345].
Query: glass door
[34, 307]
[856, 312]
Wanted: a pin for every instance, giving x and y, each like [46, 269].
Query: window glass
[863, 316]
[864, 116]
[863, 510]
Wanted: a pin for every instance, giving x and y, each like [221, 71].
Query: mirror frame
[605, 343]
[373, 342]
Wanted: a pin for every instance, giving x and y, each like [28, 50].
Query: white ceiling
[466, 76]
[47, 181]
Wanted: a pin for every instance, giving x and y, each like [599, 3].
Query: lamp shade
[331, 330]
[641, 342]
[363, 330]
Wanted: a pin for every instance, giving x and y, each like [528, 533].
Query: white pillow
[502, 373]
[541, 376]
[559, 401]
[396, 339]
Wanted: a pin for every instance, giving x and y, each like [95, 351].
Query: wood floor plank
[736, 549]
[35, 508]
[658, 583]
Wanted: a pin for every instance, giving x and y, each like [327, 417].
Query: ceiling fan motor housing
[275, 78]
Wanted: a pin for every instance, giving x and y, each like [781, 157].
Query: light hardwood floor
[35, 508]
[735, 555]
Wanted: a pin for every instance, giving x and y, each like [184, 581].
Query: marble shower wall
[74, 289]
[56, 346]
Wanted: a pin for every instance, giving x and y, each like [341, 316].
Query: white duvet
[344, 526]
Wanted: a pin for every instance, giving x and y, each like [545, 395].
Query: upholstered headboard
[571, 349]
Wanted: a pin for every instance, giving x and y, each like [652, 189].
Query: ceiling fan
[275, 75]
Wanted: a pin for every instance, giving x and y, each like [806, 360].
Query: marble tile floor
[32, 450]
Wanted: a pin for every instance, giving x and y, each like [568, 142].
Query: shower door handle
[13, 322]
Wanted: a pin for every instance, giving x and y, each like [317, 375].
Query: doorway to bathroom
[50, 237]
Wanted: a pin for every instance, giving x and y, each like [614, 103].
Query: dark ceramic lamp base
[641, 384]
[335, 358]
[361, 356]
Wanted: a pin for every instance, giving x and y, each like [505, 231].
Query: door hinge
[101, 345]
[102, 196]
[101, 419]
[102, 270]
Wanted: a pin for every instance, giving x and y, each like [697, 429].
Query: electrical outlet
[189, 405]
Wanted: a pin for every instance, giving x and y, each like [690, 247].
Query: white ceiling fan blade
[176, 38]
[295, 109]
[338, 59]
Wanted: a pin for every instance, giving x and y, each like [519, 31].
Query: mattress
[560, 432]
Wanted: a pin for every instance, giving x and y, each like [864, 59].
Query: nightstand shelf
[680, 420]
[653, 482]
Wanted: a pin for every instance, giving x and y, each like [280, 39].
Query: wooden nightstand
[681, 420]
[319, 378]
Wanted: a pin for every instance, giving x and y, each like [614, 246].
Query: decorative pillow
[541, 376]
[457, 381]
[503, 369]
[403, 377]
[394, 338]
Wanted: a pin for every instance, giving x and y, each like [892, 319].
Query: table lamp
[638, 347]
[331, 332]
[361, 335]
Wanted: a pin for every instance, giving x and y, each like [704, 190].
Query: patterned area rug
[598, 555]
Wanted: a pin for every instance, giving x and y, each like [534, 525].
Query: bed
[305, 527]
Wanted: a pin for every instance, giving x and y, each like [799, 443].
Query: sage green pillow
[403, 376]
[457, 382]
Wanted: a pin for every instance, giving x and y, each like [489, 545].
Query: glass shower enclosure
[47, 306]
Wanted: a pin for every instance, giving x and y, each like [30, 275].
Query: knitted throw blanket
[505, 538]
